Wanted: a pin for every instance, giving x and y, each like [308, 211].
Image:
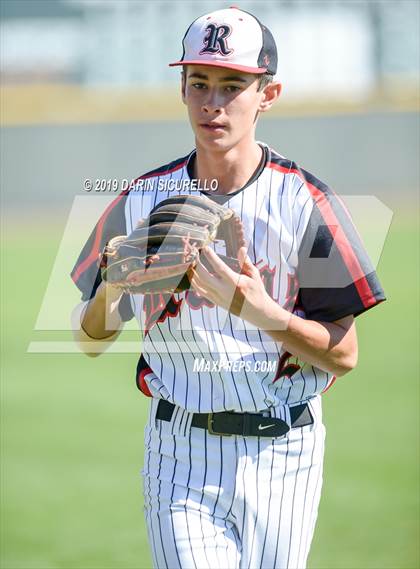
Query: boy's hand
[242, 294]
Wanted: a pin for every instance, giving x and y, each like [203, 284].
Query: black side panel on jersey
[336, 277]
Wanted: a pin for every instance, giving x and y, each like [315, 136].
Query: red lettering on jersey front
[267, 277]
[292, 292]
[158, 307]
[285, 368]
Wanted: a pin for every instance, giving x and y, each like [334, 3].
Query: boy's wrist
[275, 317]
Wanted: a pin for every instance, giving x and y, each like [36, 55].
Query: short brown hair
[264, 80]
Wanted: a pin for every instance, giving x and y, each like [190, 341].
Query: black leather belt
[246, 424]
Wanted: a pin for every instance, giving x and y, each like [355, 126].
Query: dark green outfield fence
[374, 153]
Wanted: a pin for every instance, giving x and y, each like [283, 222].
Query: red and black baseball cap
[230, 38]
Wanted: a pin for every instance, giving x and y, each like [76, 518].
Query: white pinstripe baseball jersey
[201, 357]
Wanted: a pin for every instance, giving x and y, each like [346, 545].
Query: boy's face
[222, 105]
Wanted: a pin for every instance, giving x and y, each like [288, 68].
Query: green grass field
[72, 430]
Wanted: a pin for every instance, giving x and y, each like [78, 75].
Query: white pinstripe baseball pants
[216, 502]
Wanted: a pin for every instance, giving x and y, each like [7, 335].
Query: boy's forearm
[331, 346]
[101, 318]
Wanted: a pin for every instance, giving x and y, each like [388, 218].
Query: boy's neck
[232, 169]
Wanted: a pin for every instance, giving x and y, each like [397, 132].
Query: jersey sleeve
[336, 277]
[86, 273]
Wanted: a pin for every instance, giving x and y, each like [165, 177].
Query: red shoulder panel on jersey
[319, 191]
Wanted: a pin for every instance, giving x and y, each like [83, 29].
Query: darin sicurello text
[165, 185]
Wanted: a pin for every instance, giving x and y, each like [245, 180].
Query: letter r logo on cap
[215, 40]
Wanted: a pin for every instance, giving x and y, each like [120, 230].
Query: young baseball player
[235, 366]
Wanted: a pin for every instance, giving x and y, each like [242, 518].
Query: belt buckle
[210, 429]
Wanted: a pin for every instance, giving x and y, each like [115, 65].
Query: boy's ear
[271, 93]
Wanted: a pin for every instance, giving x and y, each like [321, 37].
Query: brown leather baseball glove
[158, 254]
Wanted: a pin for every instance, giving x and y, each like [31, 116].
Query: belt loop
[181, 422]
[280, 412]
[176, 420]
[287, 417]
[186, 423]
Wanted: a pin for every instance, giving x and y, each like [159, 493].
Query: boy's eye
[228, 88]
[232, 88]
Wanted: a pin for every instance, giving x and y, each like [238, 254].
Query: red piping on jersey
[330, 385]
[93, 255]
[350, 259]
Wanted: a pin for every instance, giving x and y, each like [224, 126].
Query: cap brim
[244, 68]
